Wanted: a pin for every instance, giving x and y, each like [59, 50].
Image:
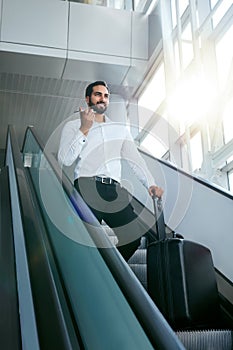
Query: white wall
[70, 40]
[34, 37]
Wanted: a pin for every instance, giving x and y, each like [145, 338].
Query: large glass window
[220, 11]
[177, 58]
[187, 46]
[156, 141]
[174, 16]
[230, 178]
[224, 54]
[200, 94]
[182, 5]
[196, 151]
[191, 99]
[213, 3]
[154, 146]
[228, 121]
[185, 55]
[152, 96]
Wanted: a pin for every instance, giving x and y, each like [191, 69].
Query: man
[98, 145]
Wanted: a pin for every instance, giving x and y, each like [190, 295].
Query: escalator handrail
[194, 177]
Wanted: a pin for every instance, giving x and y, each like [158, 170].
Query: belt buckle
[106, 180]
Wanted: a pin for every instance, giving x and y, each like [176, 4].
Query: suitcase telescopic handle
[159, 217]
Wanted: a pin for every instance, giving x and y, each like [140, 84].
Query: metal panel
[139, 36]
[37, 61]
[88, 67]
[100, 30]
[42, 23]
[136, 72]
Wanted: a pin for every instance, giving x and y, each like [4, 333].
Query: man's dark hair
[89, 88]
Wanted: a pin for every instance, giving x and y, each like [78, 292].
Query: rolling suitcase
[181, 279]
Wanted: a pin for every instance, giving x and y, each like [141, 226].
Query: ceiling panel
[41, 102]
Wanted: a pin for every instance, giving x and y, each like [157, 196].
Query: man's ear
[88, 100]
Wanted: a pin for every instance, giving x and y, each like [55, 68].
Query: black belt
[105, 180]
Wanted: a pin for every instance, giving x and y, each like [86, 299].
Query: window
[230, 179]
[191, 99]
[187, 46]
[228, 121]
[186, 50]
[177, 58]
[224, 53]
[182, 5]
[213, 3]
[196, 151]
[221, 10]
[156, 141]
[173, 8]
[199, 78]
[152, 96]
[154, 146]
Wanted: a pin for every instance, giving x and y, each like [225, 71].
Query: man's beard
[98, 109]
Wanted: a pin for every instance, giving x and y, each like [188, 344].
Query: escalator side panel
[41, 318]
[10, 337]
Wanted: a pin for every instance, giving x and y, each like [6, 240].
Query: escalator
[67, 296]
[70, 294]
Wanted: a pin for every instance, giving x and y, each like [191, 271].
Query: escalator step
[207, 339]
[137, 262]
[139, 257]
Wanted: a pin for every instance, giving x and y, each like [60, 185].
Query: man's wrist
[84, 130]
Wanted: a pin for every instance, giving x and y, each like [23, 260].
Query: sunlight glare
[191, 100]
[228, 121]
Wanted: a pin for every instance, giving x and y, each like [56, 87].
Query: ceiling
[40, 101]
[44, 71]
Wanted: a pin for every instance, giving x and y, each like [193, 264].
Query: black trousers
[112, 203]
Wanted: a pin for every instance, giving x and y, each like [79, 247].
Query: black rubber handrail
[194, 177]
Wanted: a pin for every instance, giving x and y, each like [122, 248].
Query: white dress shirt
[101, 151]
